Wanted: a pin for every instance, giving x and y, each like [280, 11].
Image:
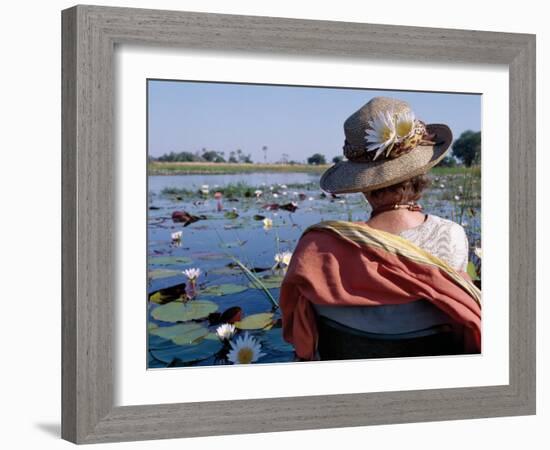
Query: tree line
[466, 150]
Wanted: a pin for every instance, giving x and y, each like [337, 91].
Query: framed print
[222, 178]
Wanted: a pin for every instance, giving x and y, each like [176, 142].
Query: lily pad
[471, 269]
[269, 281]
[255, 321]
[225, 270]
[209, 256]
[182, 312]
[162, 273]
[169, 260]
[223, 289]
[231, 215]
[187, 353]
[168, 294]
[183, 333]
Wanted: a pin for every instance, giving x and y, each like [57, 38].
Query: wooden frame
[89, 37]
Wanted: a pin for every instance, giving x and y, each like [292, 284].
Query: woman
[394, 285]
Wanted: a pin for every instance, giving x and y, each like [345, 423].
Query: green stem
[254, 279]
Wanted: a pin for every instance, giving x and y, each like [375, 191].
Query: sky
[298, 121]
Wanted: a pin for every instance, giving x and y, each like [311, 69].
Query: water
[184, 334]
[194, 182]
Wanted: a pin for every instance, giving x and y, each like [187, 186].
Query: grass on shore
[189, 168]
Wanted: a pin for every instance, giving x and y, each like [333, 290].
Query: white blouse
[441, 237]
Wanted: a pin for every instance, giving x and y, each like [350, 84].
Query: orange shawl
[344, 263]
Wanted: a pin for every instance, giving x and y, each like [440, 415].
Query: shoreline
[199, 168]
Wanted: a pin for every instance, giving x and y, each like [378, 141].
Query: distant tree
[232, 157]
[317, 159]
[213, 156]
[264, 149]
[448, 161]
[178, 157]
[467, 148]
[337, 159]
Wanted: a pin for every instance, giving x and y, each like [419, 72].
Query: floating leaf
[230, 269]
[183, 333]
[187, 353]
[168, 294]
[207, 256]
[232, 244]
[471, 269]
[169, 260]
[162, 273]
[182, 312]
[231, 215]
[270, 282]
[255, 321]
[223, 289]
[258, 217]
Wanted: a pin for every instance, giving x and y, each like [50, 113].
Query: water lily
[176, 236]
[191, 287]
[442, 186]
[219, 205]
[192, 274]
[284, 186]
[226, 331]
[258, 193]
[381, 135]
[275, 195]
[478, 252]
[457, 198]
[282, 260]
[268, 223]
[245, 350]
[205, 189]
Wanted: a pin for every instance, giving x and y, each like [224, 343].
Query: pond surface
[245, 225]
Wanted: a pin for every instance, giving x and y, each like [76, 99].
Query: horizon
[297, 121]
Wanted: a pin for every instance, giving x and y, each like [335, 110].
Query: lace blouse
[441, 237]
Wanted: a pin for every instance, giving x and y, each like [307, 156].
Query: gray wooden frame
[89, 37]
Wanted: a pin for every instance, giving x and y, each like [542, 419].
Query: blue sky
[299, 121]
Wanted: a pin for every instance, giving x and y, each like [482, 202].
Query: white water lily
[192, 274]
[382, 134]
[177, 235]
[245, 350]
[257, 193]
[404, 125]
[226, 331]
[284, 186]
[205, 189]
[457, 198]
[275, 195]
[283, 259]
[268, 223]
[478, 252]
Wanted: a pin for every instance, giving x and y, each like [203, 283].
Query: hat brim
[349, 176]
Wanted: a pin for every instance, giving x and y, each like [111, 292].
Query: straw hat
[385, 144]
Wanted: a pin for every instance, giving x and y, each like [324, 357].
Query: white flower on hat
[382, 134]
[404, 125]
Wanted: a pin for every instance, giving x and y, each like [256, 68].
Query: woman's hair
[407, 191]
